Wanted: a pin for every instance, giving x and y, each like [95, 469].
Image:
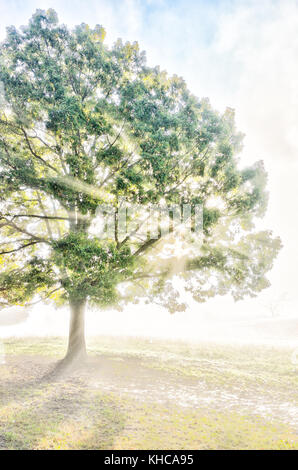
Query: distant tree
[274, 304]
[84, 126]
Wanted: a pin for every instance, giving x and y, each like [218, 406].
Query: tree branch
[48, 217]
[19, 248]
[35, 154]
[22, 230]
[45, 216]
[147, 245]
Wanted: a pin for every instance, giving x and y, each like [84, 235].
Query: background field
[148, 394]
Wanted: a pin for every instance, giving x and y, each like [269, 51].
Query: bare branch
[48, 217]
[147, 245]
[19, 248]
[22, 230]
[45, 216]
[35, 154]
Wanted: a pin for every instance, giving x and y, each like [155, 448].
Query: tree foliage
[84, 125]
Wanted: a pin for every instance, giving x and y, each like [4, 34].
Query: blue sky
[241, 54]
[182, 36]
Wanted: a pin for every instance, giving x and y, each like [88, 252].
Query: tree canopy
[83, 126]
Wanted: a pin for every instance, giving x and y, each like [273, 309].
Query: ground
[148, 394]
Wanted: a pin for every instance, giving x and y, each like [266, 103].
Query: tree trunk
[76, 350]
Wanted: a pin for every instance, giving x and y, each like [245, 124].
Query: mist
[197, 325]
[218, 374]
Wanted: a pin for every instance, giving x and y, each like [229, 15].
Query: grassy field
[148, 394]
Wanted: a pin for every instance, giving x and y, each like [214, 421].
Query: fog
[239, 54]
[145, 321]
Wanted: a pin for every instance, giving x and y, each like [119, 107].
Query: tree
[274, 305]
[83, 127]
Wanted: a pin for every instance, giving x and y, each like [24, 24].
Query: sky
[241, 54]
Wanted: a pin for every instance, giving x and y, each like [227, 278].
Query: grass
[216, 364]
[96, 409]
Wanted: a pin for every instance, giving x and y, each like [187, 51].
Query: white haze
[239, 54]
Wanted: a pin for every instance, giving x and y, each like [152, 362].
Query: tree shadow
[58, 411]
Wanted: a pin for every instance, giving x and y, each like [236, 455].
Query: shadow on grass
[57, 412]
[77, 411]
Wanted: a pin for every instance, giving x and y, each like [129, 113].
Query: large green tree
[84, 127]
